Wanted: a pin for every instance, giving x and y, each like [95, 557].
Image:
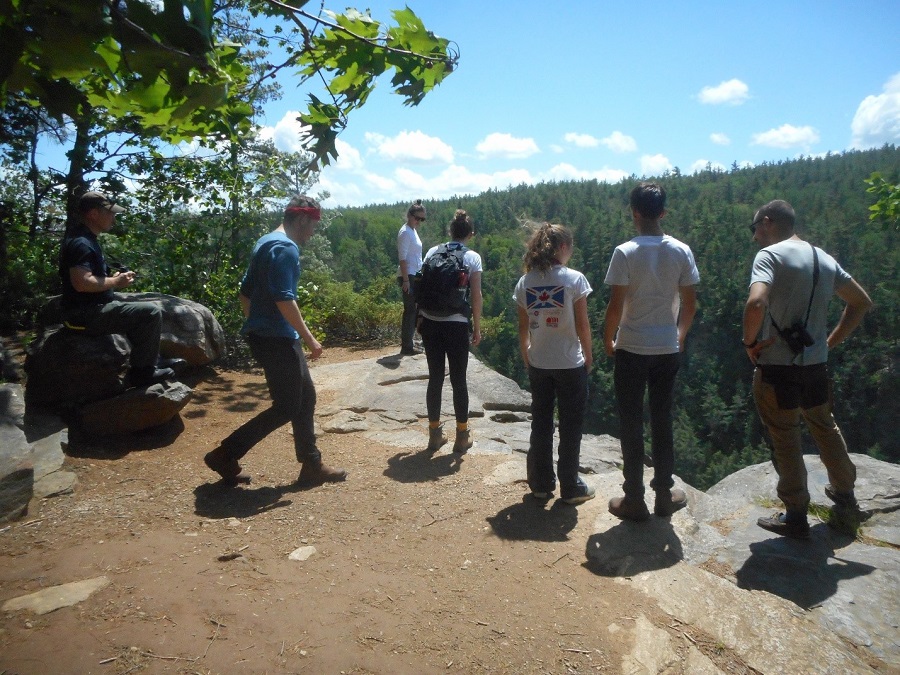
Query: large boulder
[67, 369]
[135, 410]
[190, 331]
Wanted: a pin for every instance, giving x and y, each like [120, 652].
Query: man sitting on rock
[88, 283]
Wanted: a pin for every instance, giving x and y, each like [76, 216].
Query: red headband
[310, 211]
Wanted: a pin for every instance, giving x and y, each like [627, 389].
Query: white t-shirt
[409, 248]
[787, 268]
[653, 268]
[549, 298]
[472, 261]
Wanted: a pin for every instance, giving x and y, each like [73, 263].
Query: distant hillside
[716, 426]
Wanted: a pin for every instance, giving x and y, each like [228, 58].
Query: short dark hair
[779, 212]
[649, 200]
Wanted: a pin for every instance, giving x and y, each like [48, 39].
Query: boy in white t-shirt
[651, 276]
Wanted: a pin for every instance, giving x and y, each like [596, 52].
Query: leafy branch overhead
[167, 65]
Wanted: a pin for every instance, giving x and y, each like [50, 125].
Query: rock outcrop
[782, 605]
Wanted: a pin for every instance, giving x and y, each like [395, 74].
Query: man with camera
[790, 287]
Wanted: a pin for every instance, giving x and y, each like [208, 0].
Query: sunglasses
[755, 223]
[419, 219]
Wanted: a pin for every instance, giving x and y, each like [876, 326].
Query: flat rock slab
[53, 598]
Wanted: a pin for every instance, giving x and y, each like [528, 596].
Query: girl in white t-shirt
[409, 254]
[555, 341]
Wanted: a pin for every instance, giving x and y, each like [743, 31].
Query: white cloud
[581, 140]
[720, 139]
[877, 120]
[655, 165]
[286, 132]
[619, 142]
[558, 149]
[787, 136]
[731, 92]
[411, 146]
[704, 165]
[348, 158]
[506, 145]
[564, 172]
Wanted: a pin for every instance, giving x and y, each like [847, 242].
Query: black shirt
[81, 249]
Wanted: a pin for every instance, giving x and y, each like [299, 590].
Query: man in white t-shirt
[652, 277]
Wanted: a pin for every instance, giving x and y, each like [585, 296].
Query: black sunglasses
[754, 223]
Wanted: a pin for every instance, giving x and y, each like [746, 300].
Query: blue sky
[579, 89]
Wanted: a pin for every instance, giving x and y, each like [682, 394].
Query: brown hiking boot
[627, 508]
[316, 473]
[436, 438]
[464, 441]
[669, 501]
[228, 469]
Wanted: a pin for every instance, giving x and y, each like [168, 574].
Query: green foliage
[887, 209]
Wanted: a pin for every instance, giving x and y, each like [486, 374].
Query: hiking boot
[463, 441]
[796, 528]
[316, 473]
[585, 492]
[629, 508]
[415, 351]
[141, 377]
[228, 469]
[668, 502]
[846, 500]
[436, 438]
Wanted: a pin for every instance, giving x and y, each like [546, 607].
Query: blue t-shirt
[272, 277]
[81, 249]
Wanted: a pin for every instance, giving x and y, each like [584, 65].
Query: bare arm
[688, 312]
[613, 317]
[477, 304]
[245, 304]
[291, 313]
[523, 333]
[583, 329]
[754, 315]
[858, 303]
[84, 281]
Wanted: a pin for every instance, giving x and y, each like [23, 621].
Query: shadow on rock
[115, 447]
[219, 500]
[393, 361]
[422, 466]
[805, 572]
[630, 548]
[531, 520]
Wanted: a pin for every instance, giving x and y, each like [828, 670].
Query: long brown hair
[544, 245]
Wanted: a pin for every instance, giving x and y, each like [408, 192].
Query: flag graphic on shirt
[545, 297]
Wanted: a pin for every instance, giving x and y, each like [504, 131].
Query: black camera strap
[811, 293]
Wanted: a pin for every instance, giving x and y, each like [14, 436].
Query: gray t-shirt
[787, 268]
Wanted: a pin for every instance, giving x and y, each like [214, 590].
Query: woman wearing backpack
[445, 335]
[555, 341]
[409, 252]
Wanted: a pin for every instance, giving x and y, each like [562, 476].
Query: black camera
[797, 337]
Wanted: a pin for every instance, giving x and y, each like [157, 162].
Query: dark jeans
[446, 340]
[408, 322]
[140, 322]
[635, 373]
[570, 386]
[293, 400]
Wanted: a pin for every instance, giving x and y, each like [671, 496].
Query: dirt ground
[419, 566]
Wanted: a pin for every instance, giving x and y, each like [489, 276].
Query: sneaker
[141, 377]
[316, 473]
[779, 524]
[464, 441]
[228, 469]
[436, 438]
[846, 500]
[586, 493]
[542, 496]
[668, 502]
[415, 351]
[628, 508]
